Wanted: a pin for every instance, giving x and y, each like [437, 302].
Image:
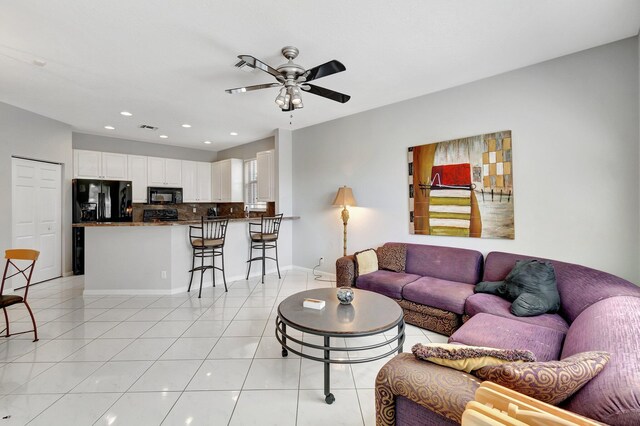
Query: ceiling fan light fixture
[280, 99]
[295, 97]
[298, 105]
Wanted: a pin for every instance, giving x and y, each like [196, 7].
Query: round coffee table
[369, 314]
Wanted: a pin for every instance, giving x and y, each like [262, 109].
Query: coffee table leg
[329, 398]
[401, 338]
[285, 352]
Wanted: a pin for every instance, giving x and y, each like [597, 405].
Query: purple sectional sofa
[599, 312]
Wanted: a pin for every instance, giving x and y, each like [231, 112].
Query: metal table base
[396, 343]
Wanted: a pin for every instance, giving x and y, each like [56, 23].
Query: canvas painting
[463, 187]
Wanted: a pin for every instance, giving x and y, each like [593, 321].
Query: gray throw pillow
[531, 286]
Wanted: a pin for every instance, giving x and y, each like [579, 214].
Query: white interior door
[37, 213]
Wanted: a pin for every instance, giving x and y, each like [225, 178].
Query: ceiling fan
[292, 79]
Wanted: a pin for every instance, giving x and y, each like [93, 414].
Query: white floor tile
[273, 374]
[60, 378]
[14, 375]
[53, 350]
[99, 350]
[190, 348]
[266, 407]
[20, 409]
[76, 409]
[167, 329]
[220, 374]
[313, 410]
[235, 347]
[128, 330]
[245, 314]
[139, 409]
[312, 376]
[365, 374]
[167, 376]
[144, 349]
[206, 329]
[116, 315]
[367, 399]
[203, 408]
[150, 314]
[89, 330]
[219, 314]
[435, 337]
[113, 376]
[269, 347]
[245, 328]
[185, 314]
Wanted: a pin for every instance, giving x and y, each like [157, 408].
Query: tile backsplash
[185, 210]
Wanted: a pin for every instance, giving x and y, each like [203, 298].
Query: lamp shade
[344, 197]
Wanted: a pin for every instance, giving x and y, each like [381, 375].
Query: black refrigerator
[98, 201]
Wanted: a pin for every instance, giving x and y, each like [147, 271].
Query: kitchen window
[251, 186]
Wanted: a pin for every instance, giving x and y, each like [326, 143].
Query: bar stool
[6, 301]
[207, 241]
[264, 236]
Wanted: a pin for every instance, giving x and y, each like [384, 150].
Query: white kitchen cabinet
[226, 181]
[137, 174]
[266, 175]
[196, 181]
[99, 165]
[165, 172]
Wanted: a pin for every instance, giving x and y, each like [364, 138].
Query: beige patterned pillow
[552, 381]
[366, 261]
[392, 257]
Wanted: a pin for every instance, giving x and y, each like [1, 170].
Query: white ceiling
[169, 62]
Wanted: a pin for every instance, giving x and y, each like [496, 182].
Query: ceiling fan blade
[323, 70]
[250, 88]
[257, 63]
[326, 93]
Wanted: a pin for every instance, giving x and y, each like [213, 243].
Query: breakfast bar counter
[154, 258]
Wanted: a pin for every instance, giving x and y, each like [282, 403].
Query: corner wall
[32, 136]
[575, 156]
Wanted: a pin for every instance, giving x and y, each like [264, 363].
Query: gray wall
[32, 136]
[576, 159]
[248, 150]
[127, 146]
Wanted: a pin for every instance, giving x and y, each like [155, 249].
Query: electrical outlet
[163, 275]
[321, 261]
[194, 209]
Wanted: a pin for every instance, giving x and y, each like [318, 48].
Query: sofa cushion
[385, 282]
[446, 263]
[579, 286]
[469, 358]
[551, 381]
[366, 261]
[443, 294]
[612, 325]
[506, 333]
[495, 305]
[392, 257]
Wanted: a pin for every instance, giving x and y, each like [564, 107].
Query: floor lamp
[344, 198]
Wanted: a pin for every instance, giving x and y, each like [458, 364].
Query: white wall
[28, 135]
[247, 151]
[575, 153]
[128, 146]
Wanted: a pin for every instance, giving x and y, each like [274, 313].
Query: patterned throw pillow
[366, 261]
[392, 257]
[469, 358]
[552, 381]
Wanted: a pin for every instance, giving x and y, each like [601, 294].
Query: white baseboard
[310, 270]
[67, 274]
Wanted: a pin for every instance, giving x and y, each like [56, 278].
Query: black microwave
[160, 195]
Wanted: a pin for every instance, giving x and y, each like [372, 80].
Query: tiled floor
[173, 360]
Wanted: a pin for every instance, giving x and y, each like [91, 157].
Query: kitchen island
[154, 258]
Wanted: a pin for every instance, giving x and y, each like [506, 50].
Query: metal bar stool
[27, 272]
[207, 241]
[264, 236]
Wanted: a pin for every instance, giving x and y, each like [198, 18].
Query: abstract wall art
[463, 187]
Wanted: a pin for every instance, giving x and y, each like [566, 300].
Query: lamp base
[345, 219]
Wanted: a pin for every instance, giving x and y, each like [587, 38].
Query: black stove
[160, 215]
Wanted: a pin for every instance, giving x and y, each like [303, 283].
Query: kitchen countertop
[170, 223]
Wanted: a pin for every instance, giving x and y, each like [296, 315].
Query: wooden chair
[27, 272]
[207, 241]
[264, 236]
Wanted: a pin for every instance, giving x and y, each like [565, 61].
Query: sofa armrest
[346, 272]
[442, 390]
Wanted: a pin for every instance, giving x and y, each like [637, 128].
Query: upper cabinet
[196, 181]
[99, 165]
[164, 172]
[137, 167]
[266, 175]
[226, 181]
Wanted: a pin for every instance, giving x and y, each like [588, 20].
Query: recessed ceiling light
[164, 136]
[109, 127]
[234, 133]
[126, 113]
[186, 126]
[207, 142]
